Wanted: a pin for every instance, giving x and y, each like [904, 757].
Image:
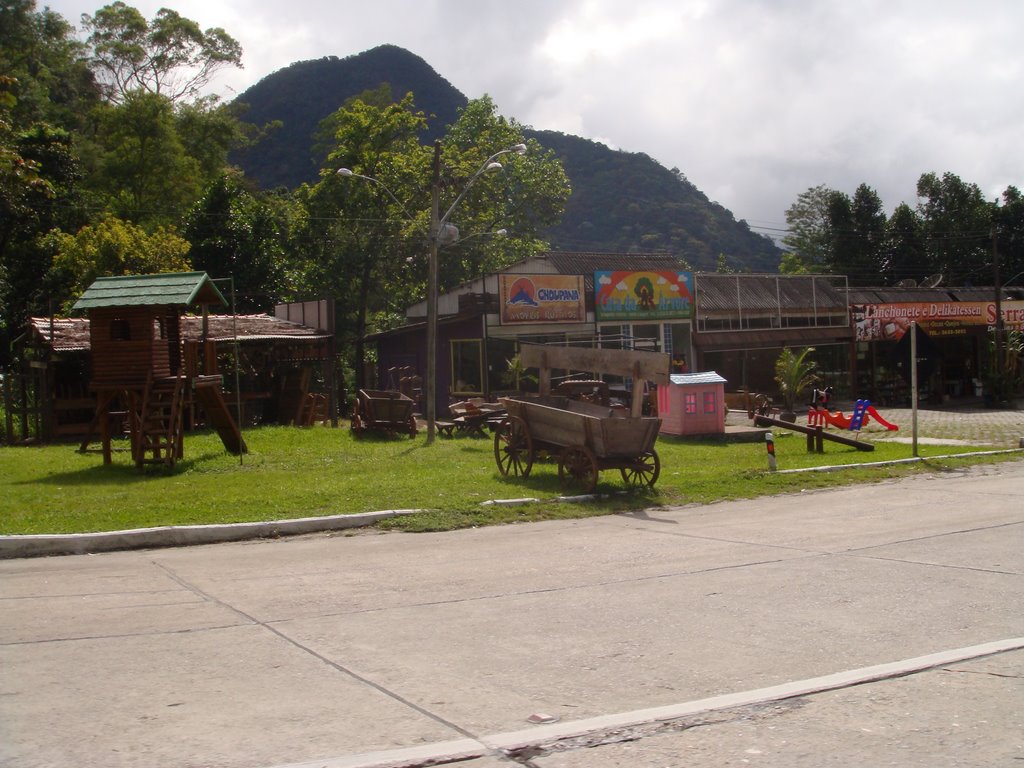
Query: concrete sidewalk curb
[894, 462]
[543, 736]
[181, 535]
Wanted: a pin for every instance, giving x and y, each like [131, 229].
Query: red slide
[880, 420]
[822, 416]
[843, 422]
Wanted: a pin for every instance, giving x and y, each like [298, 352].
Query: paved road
[875, 625]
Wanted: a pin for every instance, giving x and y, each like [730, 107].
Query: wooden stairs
[159, 424]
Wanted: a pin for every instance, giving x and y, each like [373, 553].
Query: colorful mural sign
[542, 299]
[647, 295]
[888, 322]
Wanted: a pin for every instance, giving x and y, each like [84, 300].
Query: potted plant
[517, 374]
[794, 373]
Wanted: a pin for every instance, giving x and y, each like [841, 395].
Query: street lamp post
[441, 233]
[438, 226]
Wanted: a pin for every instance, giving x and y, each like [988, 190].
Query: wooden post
[544, 380]
[637, 407]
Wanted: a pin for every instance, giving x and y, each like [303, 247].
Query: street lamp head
[519, 149]
[448, 234]
[345, 172]
[494, 166]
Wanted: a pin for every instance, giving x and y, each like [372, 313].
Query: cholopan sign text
[647, 295]
[542, 299]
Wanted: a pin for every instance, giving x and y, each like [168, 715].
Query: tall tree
[527, 196]
[842, 234]
[372, 236]
[358, 232]
[866, 257]
[110, 247]
[170, 56]
[957, 223]
[46, 90]
[807, 239]
[905, 250]
[49, 77]
[234, 233]
[1010, 236]
[145, 170]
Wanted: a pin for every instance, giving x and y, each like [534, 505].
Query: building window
[710, 402]
[690, 402]
[120, 329]
[467, 367]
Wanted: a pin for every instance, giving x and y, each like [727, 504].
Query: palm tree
[794, 373]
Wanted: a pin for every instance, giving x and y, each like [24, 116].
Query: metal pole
[913, 385]
[998, 333]
[431, 394]
[238, 376]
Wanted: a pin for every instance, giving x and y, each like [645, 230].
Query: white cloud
[753, 100]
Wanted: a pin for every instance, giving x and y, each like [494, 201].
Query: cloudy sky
[754, 101]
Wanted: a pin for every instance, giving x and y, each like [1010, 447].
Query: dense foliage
[953, 235]
[113, 161]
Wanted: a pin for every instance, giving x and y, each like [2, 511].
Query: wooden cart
[384, 411]
[586, 437]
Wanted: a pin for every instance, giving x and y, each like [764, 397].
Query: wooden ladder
[159, 427]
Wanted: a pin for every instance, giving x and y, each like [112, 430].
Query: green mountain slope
[621, 201]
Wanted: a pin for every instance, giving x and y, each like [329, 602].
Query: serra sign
[888, 322]
[542, 299]
[647, 295]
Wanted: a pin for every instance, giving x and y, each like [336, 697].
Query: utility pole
[435, 234]
[999, 306]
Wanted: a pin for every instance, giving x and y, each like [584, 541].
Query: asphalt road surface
[872, 625]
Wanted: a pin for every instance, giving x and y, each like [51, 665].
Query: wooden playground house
[138, 371]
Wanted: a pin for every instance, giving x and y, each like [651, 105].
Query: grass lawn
[291, 473]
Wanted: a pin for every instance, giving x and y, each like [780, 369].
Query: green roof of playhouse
[180, 289]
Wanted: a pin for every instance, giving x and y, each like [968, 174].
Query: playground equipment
[863, 412]
[815, 435]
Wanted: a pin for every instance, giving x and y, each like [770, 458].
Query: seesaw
[814, 434]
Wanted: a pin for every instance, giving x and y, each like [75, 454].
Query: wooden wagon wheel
[643, 470]
[578, 465]
[513, 447]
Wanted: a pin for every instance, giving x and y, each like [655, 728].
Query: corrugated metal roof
[178, 289]
[62, 334]
[72, 334]
[707, 377]
[768, 293]
[588, 263]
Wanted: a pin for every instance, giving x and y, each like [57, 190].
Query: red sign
[888, 322]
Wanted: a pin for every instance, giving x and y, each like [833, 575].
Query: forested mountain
[621, 201]
[302, 94]
[629, 202]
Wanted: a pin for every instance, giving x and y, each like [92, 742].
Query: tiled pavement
[969, 422]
